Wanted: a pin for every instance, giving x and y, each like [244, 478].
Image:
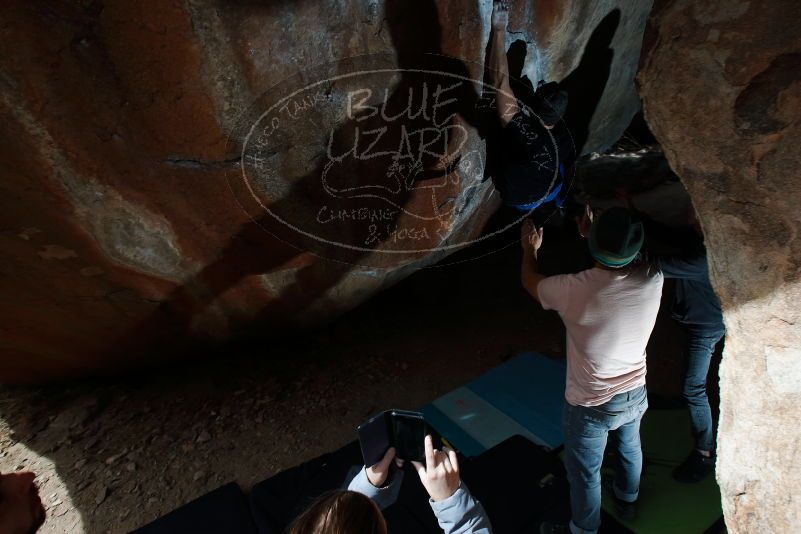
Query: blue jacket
[458, 514]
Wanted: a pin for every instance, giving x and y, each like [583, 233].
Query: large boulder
[721, 86]
[147, 202]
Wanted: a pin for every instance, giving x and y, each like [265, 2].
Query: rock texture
[721, 86]
[125, 229]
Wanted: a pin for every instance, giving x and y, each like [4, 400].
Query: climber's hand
[585, 221]
[531, 237]
[500, 14]
[440, 473]
[379, 473]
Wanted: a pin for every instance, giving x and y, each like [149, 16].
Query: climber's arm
[531, 240]
[499, 66]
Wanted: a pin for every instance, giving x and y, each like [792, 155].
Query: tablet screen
[409, 429]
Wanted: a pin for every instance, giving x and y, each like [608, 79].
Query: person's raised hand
[531, 237]
[378, 473]
[585, 221]
[440, 475]
[500, 14]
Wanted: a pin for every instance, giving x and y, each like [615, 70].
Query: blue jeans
[699, 354]
[586, 429]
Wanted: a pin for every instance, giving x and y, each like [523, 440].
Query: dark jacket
[695, 303]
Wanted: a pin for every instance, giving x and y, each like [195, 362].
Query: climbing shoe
[695, 468]
[626, 510]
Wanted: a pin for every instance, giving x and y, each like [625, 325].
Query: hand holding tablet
[402, 430]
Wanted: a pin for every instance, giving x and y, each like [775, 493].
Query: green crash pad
[666, 506]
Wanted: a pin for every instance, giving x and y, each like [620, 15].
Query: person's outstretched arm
[376, 482]
[681, 237]
[690, 263]
[531, 239]
[456, 510]
[499, 66]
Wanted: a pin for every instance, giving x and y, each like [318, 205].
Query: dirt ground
[115, 455]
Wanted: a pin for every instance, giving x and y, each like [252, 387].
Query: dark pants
[703, 340]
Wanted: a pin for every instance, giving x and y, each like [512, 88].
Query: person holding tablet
[358, 509]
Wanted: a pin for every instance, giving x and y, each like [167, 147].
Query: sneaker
[626, 510]
[695, 468]
[548, 527]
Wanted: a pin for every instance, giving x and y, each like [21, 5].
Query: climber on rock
[530, 151]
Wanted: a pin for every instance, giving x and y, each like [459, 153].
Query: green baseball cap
[616, 237]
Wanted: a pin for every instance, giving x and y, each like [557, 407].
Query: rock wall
[131, 225]
[721, 87]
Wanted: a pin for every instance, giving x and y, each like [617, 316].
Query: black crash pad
[277, 501]
[518, 482]
[222, 510]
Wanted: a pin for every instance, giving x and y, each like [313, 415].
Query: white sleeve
[554, 292]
